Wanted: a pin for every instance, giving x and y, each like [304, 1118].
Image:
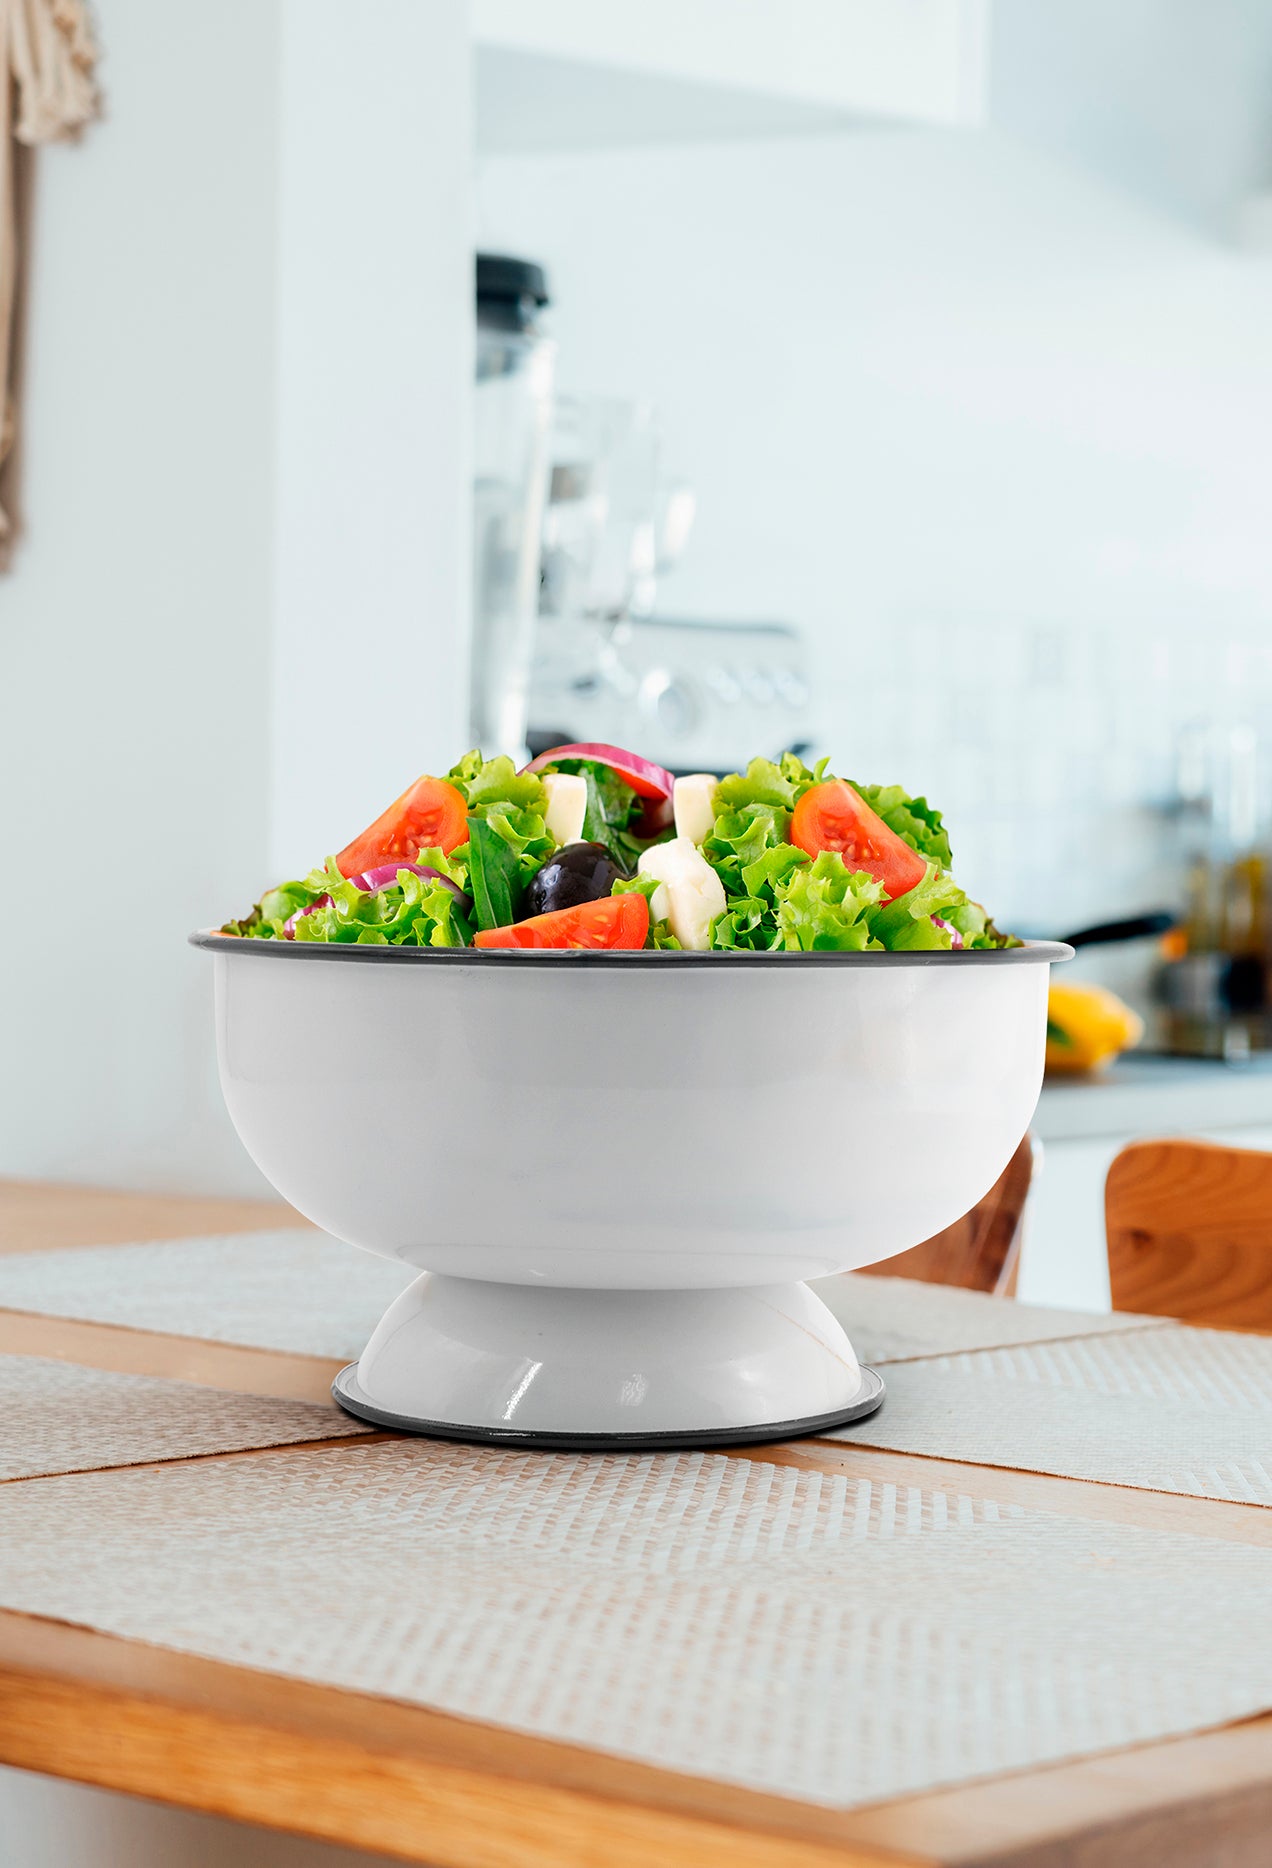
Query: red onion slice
[646, 779]
[956, 938]
[384, 875]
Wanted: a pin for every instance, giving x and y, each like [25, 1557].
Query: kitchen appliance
[614, 521]
[512, 409]
[1215, 986]
[615, 1171]
[696, 696]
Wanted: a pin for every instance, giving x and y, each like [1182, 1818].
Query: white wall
[375, 333]
[998, 437]
[1169, 102]
[134, 630]
[887, 59]
[235, 628]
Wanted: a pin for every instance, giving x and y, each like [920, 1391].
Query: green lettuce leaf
[801, 776]
[753, 817]
[487, 782]
[824, 907]
[761, 783]
[745, 926]
[750, 920]
[268, 918]
[739, 837]
[781, 784]
[975, 926]
[416, 911]
[660, 935]
[513, 804]
[906, 923]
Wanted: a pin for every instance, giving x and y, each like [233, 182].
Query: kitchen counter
[1083, 1123]
[1152, 1095]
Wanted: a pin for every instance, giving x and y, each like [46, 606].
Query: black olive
[581, 872]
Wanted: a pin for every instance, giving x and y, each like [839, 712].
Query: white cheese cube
[690, 895]
[694, 805]
[567, 805]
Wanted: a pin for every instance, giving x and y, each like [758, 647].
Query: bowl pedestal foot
[541, 1366]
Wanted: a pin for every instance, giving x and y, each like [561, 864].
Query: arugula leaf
[494, 875]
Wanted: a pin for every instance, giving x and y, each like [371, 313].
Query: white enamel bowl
[615, 1171]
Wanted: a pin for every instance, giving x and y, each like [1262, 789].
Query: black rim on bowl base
[1030, 953]
[347, 1390]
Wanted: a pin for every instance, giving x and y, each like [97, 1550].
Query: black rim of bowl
[1030, 953]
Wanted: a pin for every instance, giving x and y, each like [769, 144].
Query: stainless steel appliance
[696, 696]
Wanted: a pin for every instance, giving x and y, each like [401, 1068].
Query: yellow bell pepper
[1087, 1026]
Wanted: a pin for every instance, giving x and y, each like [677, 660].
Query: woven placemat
[795, 1632]
[301, 1292]
[896, 1319]
[61, 1418]
[1178, 1410]
[311, 1295]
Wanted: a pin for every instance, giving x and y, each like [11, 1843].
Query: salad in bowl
[593, 847]
[617, 1063]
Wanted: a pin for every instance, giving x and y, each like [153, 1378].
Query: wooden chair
[1189, 1229]
[981, 1251]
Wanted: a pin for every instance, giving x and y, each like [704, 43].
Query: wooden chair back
[1189, 1228]
[981, 1251]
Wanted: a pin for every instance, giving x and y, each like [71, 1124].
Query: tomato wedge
[431, 815]
[835, 817]
[615, 921]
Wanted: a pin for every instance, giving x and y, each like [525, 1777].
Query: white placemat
[896, 1319]
[790, 1631]
[297, 1291]
[58, 1417]
[1178, 1410]
[311, 1295]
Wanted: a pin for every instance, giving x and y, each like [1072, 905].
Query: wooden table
[430, 1788]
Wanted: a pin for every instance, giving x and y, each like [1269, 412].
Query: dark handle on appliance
[1136, 927]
